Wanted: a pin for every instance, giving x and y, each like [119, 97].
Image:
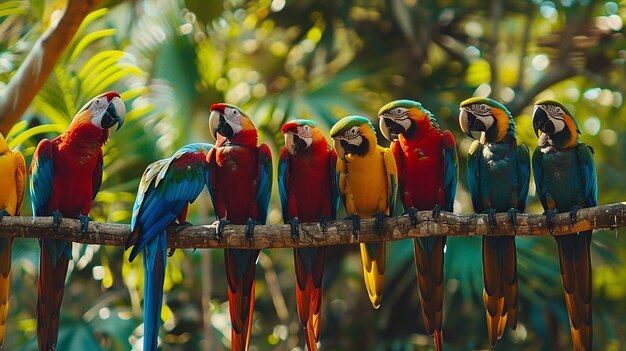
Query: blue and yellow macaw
[240, 184]
[308, 193]
[498, 172]
[12, 187]
[565, 176]
[368, 185]
[166, 189]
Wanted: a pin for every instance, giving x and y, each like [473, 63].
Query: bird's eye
[484, 107]
[307, 128]
[559, 110]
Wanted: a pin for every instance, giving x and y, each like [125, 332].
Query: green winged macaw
[498, 173]
[240, 184]
[166, 189]
[12, 187]
[308, 193]
[427, 161]
[565, 176]
[65, 176]
[368, 185]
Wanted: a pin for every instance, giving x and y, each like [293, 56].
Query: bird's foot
[356, 224]
[56, 219]
[436, 212]
[250, 229]
[573, 214]
[379, 219]
[412, 212]
[84, 224]
[550, 219]
[295, 230]
[513, 218]
[3, 213]
[324, 223]
[219, 230]
[491, 216]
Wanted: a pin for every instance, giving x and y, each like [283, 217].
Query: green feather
[348, 122]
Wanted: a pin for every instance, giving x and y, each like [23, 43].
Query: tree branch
[338, 232]
[34, 71]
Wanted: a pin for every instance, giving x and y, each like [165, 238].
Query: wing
[588, 169]
[165, 190]
[41, 177]
[20, 179]
[334, 191]
[473, 175]
[450, 169]
[96, 178]
[392, 177]
[264, 179]
[523, 176]
[538, 176]
[396, 150]
[210, 179]
[284, 164]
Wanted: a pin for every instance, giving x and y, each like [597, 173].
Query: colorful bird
[367, 182]
[498, 172]
[166, 189]
[12, 185]
[565, 176]
[308, 193]
[65, 175]
[427, 174]
[240, 184]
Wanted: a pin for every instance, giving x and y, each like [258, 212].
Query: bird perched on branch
[65, 176]
[308, 193]
[240, 184]
[427, 174]
[166, 189]
[498, 172]
[12, 187]
[565, 176]
[368, 185]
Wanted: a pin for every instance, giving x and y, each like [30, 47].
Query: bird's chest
[72, 183]
[498, 175]
[562, 177]
[423, 171]
[366, 182]
[310, 184]
[236, 180]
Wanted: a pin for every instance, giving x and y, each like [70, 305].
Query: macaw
[368, 185]
[65, 176]
[565, 176]
[427, 161]
[166, 189]
[498, 172]
[308, 193]
[12, 185]
[240, 184]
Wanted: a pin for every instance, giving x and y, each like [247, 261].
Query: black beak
[299, 144]
[393, 127]
[111, 117]
[349, 148]
[541, 122]
[469, 123]
[224, 128]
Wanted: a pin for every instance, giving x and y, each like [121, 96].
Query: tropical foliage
[321, 60]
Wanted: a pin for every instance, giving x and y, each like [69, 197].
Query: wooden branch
[338, 232]
[34, 71]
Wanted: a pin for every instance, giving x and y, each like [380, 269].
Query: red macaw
[240, 184]
[12, 185]
[308, 193]
[166, 189]
[427, 174]
[65, 176]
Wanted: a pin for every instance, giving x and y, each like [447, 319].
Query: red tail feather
[50, 289]
[240, 297]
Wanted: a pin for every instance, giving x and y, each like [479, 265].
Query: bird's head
[353, 136]
[99, 114]
[232, 123]
[551, 120]
[405, 117]
[487, 116]
[301, 135]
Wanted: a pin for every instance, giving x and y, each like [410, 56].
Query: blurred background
[278, 59]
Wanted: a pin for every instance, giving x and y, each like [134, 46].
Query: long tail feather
[51, 284]
[429, 264]
[309, 265]
[373, 257]
[240, 272]
[5, 283]
[575, 260]
[154, 274]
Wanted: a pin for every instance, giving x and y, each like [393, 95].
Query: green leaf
[44, 128]
[88, 39]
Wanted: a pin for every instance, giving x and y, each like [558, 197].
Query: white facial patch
[233, 118]
[482, 112]
[556, 116]
[352, 136]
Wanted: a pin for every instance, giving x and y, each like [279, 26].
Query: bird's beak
[466, 120]
[114, 114]
[541, 122]
[384, 124]
[214, 122]
[341, 152]
[289, 143]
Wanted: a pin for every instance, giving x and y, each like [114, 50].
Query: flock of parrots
[420, 166]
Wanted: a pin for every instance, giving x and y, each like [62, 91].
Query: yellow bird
[12, 185]
[367, 179]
